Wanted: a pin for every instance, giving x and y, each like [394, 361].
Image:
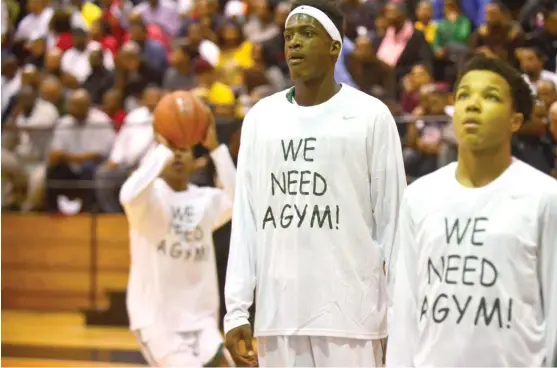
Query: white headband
[321, 17]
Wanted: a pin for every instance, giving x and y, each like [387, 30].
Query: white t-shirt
[317, 199]
[34, 24]
[173, 276]
[96, 135]
[476, 281]
[544, 75]
[77, 63]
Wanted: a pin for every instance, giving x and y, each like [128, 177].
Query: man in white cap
[320, 178]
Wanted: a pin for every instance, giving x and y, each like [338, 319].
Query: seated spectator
[412, 83]
[112, 13]
[152, 50]
[473, 10]
[196, 43]
[235, 55]
[531, 64]
[208, 84]
[260, 26]
[134, 74]
[381, 26]
[100, 32]
[359, 14]
[547, 92]
[180, 74]
[75, 61]
[403, 46]
[30, 124]
[449, 45]
[206, 15]
[371, 75]
[527, 144]
[36, 48]
[36, 21]
[51, 90]
[11, 80]
[498, 36]
[101, 79]
[82, 139]
[52, 61]
[113, 106]
[30, 76]
[163, 13]
[132, 144]
[273, 49]
[272, 73]
[61, 29]
[424, 20]
[425, 137]
[545, 38]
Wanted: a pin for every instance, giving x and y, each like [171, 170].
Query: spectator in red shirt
[60, 25]
[100, 32]
[154, 32]
[112, 11]
[113, 107]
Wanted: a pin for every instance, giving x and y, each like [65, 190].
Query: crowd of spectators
[80, 80]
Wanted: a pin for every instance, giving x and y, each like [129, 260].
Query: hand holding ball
[182, 119]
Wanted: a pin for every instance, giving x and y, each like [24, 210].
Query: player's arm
[387, 182]
[241, 271]
[403, 322]
[226, 174]
[145, 208]
[547, 274]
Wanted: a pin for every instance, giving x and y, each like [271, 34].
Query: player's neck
[315, 92]
[477, 169]
[178, 184]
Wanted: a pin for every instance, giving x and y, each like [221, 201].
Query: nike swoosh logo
[348, 117]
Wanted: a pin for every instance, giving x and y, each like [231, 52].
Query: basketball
[182, 119]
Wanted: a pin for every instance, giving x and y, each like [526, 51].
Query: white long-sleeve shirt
[173, 277]
[315, 217]
[476, 281]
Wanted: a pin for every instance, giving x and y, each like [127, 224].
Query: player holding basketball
[320, 176]
[476, 281]
[173, 296]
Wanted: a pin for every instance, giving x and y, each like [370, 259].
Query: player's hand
[234, 337]
[211, 140]
[162, 140]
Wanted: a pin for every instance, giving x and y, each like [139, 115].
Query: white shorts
[164, 348]
[319, 351]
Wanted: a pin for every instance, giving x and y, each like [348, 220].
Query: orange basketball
[182, 119]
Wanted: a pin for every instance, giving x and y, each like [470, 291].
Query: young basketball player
[320, 178]
[173, 298]
[476, 280]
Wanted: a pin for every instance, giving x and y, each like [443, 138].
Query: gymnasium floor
[41, 339]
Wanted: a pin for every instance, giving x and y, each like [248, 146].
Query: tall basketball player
[320, 178]
[173, 297]
[476, 280]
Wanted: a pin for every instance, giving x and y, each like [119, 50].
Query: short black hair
[537, 51]
[523, 99]
[329, 7]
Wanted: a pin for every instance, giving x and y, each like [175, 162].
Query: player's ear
[517, 121]
[335, 48]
